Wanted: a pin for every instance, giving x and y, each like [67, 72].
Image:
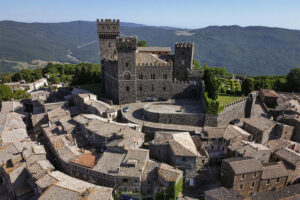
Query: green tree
[54, 79]
[142, 43]
[196, 64]
[5, 93]
[212, 85]
[247, 86]
[293, 80]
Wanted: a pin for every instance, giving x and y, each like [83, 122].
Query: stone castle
[131, 73]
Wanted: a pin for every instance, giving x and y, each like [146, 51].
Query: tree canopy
[142, 43]
[293, 80]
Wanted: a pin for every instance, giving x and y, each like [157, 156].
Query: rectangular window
[141, 76]
[152, 87]
[253, 184]
[243, 177]
[254, 175]
[152, 76]
[125, 180]
[241, 186]
[127, 88]
[164, 88]
[165, 76]
[268, 181]
[277, 180]
[141, 88]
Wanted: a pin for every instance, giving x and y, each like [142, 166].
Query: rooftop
[259, 122]
[234, 131]
[274, 171]
[154, 49]
[241, 165]
[169, 173]
[269, 93]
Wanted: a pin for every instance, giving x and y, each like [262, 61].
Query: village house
[241, 174]
[261, 128]
[269, 97]
[249, 149]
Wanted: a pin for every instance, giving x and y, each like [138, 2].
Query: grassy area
[225, 99]
[93, 88]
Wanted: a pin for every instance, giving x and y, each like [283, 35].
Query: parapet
[126, 43]
[154, 64]
[184, 45]
[108, 26]
[108, 21]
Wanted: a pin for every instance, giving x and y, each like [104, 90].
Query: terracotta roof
[169, 173]
[87, 160]
[242, 165]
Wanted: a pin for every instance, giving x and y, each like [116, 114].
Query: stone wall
[196, 119]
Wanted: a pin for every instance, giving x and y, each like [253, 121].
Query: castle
[131, 73]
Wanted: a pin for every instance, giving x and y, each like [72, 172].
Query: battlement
[127, 43]
[108, 21]
[184, 45]
[154, 65]
[108, 26]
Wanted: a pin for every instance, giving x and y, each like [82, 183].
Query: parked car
[162, 99]
[126, 109]
[235, 121]
[149, 99]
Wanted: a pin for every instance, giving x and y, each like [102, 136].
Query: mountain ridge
[252, 50]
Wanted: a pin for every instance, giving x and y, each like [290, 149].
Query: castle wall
[174, 118]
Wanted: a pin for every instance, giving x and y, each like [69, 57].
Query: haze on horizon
[175, 13]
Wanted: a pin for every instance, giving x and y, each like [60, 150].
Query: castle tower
[183, 61]
[126, 52]
[108, 31]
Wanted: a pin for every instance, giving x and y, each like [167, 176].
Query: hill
[245, 50]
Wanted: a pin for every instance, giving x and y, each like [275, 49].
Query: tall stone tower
[126, 51]
[183, 61]
[108, 31]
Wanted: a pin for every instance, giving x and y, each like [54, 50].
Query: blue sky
[178, 13]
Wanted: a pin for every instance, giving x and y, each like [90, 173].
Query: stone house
[103, 133]
[283, 131]
[212, 142]
[178, 149]
[56, 185]
[290, 156]
[241, 174]
[232, 133]
[292, 120]
[269, 97]
[21, 85]
[249, 149]
[274, 177]
[261, 128]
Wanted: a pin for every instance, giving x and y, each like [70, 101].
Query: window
[141, 76]
[268, 181]
[241, 186]
[152, 87]
[126, 64]
[164, 88]
[254, 175]
[109, 44]
[182, 62]
[141, 88]
[127, 88]
[135, 180]
[165, 76]
[277, 180]
[183, 159]
[127, 76]
[243, 177]
[152, 76]
[125, 180]
[253, 184]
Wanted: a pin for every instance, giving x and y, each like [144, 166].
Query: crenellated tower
[108, 31]
[126, 53]
[183, 61]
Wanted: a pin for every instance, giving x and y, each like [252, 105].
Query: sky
[175, 13]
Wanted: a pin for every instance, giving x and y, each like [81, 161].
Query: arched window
[127, 76]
